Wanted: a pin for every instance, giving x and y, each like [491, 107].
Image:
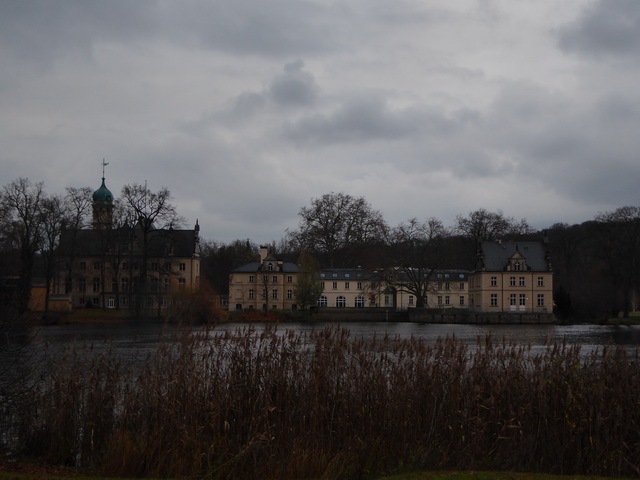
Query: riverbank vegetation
[281, 404]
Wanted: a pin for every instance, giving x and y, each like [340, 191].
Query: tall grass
[281, 404]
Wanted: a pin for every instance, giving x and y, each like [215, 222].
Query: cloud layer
[246, 110]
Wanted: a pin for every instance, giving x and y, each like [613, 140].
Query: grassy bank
[323, 405]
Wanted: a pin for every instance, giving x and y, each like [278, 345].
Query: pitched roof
[495, 255]
[255, 267]
[89, 242]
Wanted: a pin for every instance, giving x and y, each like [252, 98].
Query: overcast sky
[248, 109]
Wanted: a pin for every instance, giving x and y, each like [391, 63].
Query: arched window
[341, 302]
[322, 301]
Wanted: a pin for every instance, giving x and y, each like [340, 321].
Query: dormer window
[270, 267]
[516, 266]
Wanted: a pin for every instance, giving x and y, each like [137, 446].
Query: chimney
[264, 253]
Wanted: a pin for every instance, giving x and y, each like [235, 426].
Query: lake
[136, 340]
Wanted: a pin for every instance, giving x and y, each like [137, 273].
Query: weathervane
[104, 164]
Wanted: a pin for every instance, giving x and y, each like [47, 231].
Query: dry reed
[280, 404]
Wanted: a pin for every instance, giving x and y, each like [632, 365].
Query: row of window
[124, 302]
[520, 298]
[126, 285]
[347, 285]
[512, 281]
[135, 266]
[274, 294]
[341, 301]
[274, 279]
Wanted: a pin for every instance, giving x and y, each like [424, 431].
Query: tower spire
[104, 164]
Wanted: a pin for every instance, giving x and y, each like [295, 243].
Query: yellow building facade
[512, 277]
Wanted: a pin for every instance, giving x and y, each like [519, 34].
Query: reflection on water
[139, 340]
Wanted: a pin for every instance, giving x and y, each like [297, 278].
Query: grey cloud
[295, 87]
[366, 118]
[605, 27]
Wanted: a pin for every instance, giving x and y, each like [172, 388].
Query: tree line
[596, 263]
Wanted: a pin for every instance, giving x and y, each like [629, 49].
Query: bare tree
[484, 225]
[54, 218]
[21, 201]
[415, 255]
[152, 211]
[78, 202]
[308, 287]
[335, 222]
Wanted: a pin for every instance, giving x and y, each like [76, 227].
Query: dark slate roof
[344, 274]
[496, 255]
[255, 267]
[89, 242]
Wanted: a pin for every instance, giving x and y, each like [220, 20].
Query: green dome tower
[102, 205]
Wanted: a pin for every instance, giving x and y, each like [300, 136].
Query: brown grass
[281, 404]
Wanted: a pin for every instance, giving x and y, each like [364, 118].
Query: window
[541, 299]
[439, 286]
[516, 266]
[111, 303]
[95, 301]
[359, 286]
[461, 301]
[252, 278]
[541, 281]
[447, 300]
[274, 279]
[521, 282]
[494, 299]
[97, 266]
[264, 293]
[183, 267]
[96, 284]
[523, 299]
[114, 284]
[335, 285]
[512, 281]
[135, 266]
[182, 283]
[265, 279]
[387, 299]
[322, 301]
[289, 279]
[124, 284]
[359, 301]
[167, 284]
[447, 286]
[512, 299]
[410, 299]
[154, 266]
[252, 294]
[494, 281]
[439, 299]
[346, 275]
[322, 284]
[462, 286]
[274, 294]
[167, 266]
[82, 285]
[341, 302]
[289, 294]
[125, 265]
[270, 267]
[346, 285]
